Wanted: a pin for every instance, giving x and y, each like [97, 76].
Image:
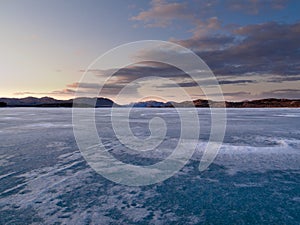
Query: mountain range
[105, 102]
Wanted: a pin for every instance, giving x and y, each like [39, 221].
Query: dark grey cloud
[109, 89]
[280, 79]
[143, 70]
[205, 82]
[84, 85]
[208, 43]
[181, 84]
[259, 49]
[269, 48]
[236, 81]
[238, 93]
[87, 89]
[281, 93]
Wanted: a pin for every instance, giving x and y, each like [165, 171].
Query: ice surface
[255, 178]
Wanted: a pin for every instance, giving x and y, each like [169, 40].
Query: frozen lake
[255, 178]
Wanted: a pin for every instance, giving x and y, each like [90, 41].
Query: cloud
[259, 49]
[142, 70]
[23, 93]
[206, 83]
[208, 43]
[181, 84]
[208, 34]
[66, 91]
[271, 48]
[203, 27]
[240, 94]
[111, 88]
[84, 85]
[279, 4]
[266, 48]
[282, 93]
[142, 77]
[162, 14]
[222, 82]
[255, 6]
[280, 79]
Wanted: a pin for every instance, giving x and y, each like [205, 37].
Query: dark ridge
[3, 104]
[105, 102]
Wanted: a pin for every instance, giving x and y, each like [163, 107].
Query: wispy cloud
[64, 92]
[162, 13]
[280, 79]
[202, 13]
[224, 82]
[281, 93]
[208, 43]
[142, 70]
[109, 89]
[255, 6]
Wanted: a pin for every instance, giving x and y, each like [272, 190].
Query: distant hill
[105, 102]
[29, 101]
[151, 104]
[265, 103]
[200, 103]
[3, 104]
[90, 102]
[51, 102]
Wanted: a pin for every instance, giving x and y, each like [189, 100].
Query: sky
[251, 46]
